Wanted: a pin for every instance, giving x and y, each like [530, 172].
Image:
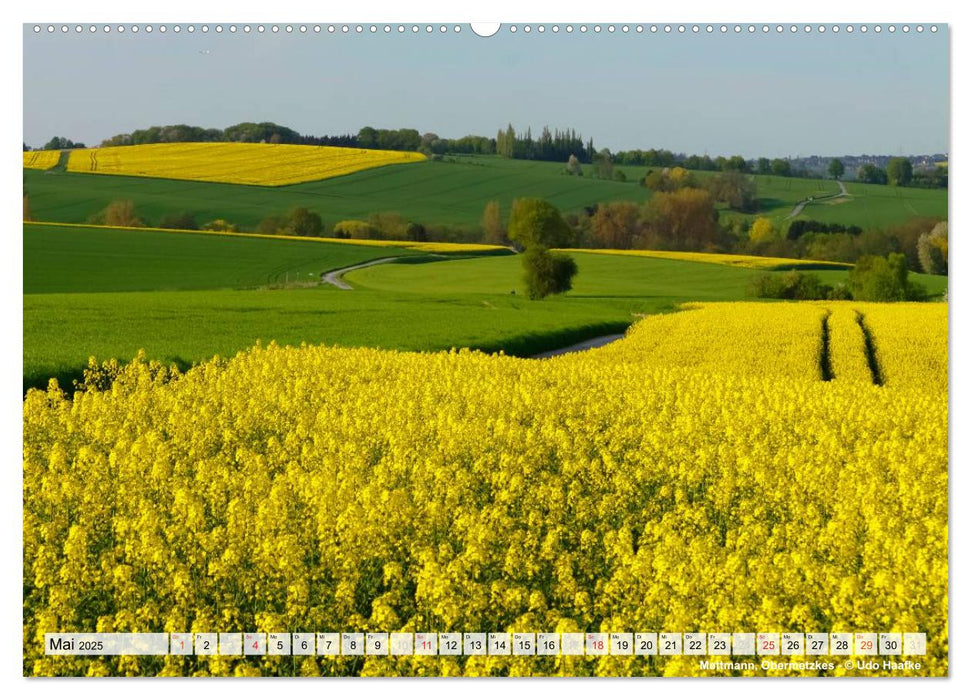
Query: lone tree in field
[573, 166]
[547, 273]
[536, 226]
[836, 168]
[604, 165]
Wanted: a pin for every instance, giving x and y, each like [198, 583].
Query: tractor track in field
[825, 352]
[870, 348]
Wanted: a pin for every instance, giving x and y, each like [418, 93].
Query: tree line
[900, 172]
[684, 213]
[58, 143]
[687, 219]
[563, 145]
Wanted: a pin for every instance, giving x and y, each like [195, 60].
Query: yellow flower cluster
[237, 163]
[41, 160]
[696, 476]
[749, 261]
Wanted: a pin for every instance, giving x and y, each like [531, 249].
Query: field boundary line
[736, 260]
[425, 246]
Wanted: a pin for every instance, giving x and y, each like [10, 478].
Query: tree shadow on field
[773, 203]
[69, 377]
[527, 345]
[66, 377]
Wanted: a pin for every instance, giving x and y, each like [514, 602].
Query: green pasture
[867, 206]
[599, 277]
[61, 331]
[449, 192]
[877, 206]
[80, 259]
[452, 192]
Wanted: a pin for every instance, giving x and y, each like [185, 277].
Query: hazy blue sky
[772, 95]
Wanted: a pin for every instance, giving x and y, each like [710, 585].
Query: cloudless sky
[755, 95]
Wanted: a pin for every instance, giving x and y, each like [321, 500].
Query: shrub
[272, 226]
[801, 227]
[614, 225]
[547, 273]
[219, 225]
[354, 229]
[790, 285]
[573, 166]
[416, 232]
[183, 220]
[761, 230]
[389, 225]
[932, 250]
[668, 179]
[304, 222]
[735, 189]
[874, 278]
[840, 292]
[121, 212]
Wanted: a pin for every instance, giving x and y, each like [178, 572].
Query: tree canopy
[536, 222]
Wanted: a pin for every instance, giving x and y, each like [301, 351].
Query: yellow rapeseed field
[750, 261]
[237, 163]
[698, 475]
[41, 160]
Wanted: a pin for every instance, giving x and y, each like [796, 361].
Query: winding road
[597, 342]
[799, 207]
[336, 277]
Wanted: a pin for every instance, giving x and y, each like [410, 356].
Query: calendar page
[438, 348]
